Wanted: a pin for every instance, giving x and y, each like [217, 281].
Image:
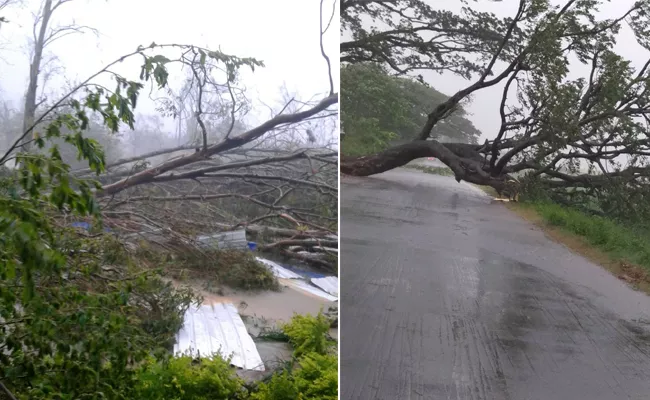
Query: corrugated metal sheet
[330, 284]
[304, 273]
[309, 288]
[225, 240]
[278, 270]
[295, 280]
[218, 328]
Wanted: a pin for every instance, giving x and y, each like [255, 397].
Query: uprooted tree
[571, 136]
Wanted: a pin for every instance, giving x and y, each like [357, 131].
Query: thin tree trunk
[34, 71]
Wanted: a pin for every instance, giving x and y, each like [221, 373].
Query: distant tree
[11, 123]
[454, 127]
[45, 32]
[380, 109]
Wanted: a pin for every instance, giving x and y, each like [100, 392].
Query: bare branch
[322, 49]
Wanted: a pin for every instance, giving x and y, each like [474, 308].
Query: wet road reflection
[447, 296]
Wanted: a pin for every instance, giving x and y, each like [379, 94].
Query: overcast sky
[284, 34]
[484, 108]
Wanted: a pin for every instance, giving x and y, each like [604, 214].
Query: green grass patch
[488, 189]
[620, 242]
[444, 171]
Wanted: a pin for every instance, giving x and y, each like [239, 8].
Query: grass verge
[489, 190]
[444, 171]
[623, 250]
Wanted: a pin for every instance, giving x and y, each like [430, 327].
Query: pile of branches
[286, 202]
[566, 132]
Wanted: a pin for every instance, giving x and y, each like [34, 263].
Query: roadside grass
[489, 190]
[431, 170]
[622, 249]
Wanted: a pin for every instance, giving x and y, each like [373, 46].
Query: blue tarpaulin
[85, 225]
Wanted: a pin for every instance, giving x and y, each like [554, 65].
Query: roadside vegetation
[443, 171]
[622, 247]
[311, 374]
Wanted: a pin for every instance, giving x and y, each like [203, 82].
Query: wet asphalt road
[447, 296]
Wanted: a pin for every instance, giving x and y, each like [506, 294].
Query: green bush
[185, 378]
[316, 377]
[308, 334]
[315, 374]
[237, 269]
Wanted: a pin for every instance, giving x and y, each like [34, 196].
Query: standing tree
[551, 123]
[44, 32]
[382, 109]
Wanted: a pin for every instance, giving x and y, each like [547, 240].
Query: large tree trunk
[463, 159]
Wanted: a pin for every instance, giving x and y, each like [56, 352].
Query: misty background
[103, 31]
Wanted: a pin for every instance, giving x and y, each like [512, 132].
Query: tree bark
[34, 71]
[463, 159]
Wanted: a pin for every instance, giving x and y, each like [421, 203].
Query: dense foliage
[76, 316]
[381, 109]
[314, 373]
[414, 35]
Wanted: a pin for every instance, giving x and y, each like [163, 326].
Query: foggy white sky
[284, 34]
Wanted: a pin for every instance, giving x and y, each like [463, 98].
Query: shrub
[185, 378]
[315, 374]
[316, 377]
[309, 334]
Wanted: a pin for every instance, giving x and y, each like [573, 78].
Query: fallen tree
[80, 314]
[565, 134]
[284, 169]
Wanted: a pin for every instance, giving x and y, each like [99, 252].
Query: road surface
[448, 296]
